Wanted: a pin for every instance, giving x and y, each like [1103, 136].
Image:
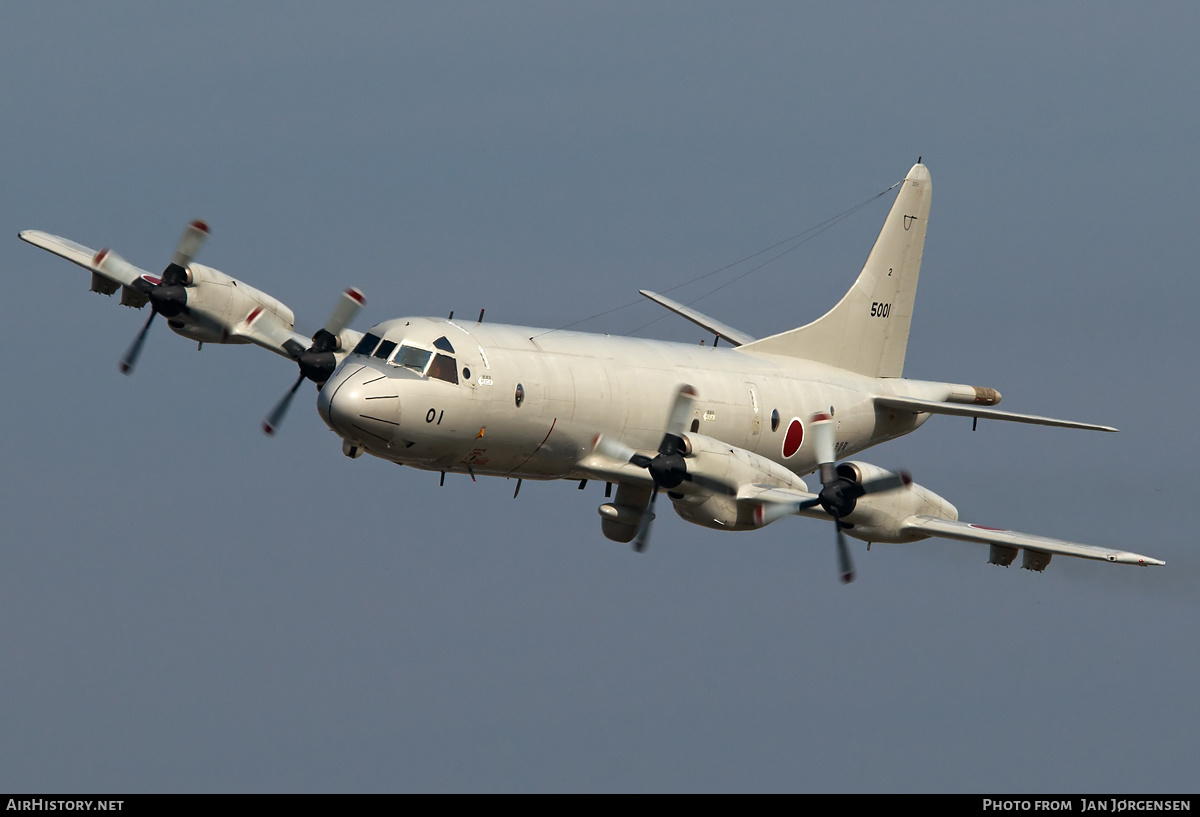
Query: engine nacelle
[877, 517]
[216, 303]
[732, 466]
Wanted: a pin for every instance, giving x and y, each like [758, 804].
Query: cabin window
[444, 368]
[385, 349]
[519, 397]
[367, 344]
[413, 357]
[774, 419]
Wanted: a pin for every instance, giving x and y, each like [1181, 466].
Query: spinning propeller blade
[681, 410]
[135, 349]
[845, 565]
[276, 416]
[821, 432]
[345, 311]
[613, 449]
[643, 534]
[193, 238]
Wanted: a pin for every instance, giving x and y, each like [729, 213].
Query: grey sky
[188, 605]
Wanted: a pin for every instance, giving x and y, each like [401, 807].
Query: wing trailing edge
[917, 406]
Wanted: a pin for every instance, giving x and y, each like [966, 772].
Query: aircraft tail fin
[867, 331]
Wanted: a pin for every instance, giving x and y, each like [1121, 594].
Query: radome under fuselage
[573, 386]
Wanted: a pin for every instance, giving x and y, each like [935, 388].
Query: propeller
[838, 494]
[318, 361]
[668, 469]
[168, 296]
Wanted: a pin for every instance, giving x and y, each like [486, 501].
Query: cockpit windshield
[444, 368]
[385, 349]
[413, 357]
[367, 344]
[420, 360]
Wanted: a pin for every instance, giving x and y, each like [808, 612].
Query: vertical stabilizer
[867, 332]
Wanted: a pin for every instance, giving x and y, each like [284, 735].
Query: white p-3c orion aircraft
[727, 431]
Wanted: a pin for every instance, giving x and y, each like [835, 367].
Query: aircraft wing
[980, 412]
[123, 274]
[265, 329]
[1006, 542]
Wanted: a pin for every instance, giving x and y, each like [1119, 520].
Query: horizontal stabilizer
[980, 412]
[730, 334]
[965, 531]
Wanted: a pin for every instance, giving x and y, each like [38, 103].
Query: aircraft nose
[361, 404]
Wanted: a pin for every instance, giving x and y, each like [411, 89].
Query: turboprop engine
[216, 302]
[879, 517]
[722, 463]
[863, 500]
[703, 477]
[198, 302]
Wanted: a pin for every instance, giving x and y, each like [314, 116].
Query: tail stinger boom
[867, 331]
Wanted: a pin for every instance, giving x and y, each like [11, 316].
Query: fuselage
[524, 402]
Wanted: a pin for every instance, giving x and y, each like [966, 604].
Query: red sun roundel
[793, 438]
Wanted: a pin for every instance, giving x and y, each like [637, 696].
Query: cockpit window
[444, 344]
[444, 368]
[367, 344]
[385, 349]
[414, 357]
